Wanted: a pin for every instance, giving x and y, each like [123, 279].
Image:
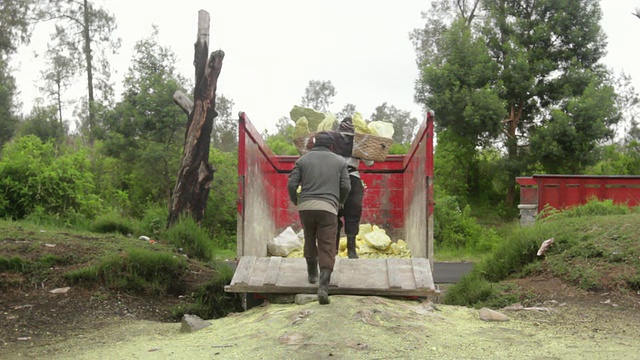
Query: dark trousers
[352, 210]
[319, 235]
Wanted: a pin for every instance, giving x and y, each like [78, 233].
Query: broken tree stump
[196, 173]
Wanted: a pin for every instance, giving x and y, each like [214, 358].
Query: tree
[14, 24]
[318, 95]
[58, 77]
[86, 32]
[404, 125]
[8, 120]
[347, 110]
[546, 55]
[196, 173]
[145, 129]
[225, 128]
[43, 123]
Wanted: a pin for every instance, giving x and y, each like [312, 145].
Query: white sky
[273, 48]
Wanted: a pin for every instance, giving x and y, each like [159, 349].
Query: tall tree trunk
[87, 52]
[196, 173]
[512, 151]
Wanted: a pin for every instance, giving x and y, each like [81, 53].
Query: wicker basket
[371, 147]
[304, 143]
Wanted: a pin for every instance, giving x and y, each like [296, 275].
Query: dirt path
[354, 327]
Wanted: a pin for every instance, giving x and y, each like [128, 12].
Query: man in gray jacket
[325, 185]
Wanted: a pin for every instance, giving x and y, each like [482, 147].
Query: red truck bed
[398, 198]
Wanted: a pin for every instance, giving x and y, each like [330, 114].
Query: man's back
[321, 174]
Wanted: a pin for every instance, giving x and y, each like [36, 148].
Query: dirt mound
[354, 327]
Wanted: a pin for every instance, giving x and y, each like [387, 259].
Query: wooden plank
[243, 270]
[273, 269]
[394, 273]
[259, 271]
[422, 273]
[363, 274]
[293, 272]
[335, 275]
[409, 277]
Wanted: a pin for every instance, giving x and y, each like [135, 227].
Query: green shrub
[113, 223]
[135, 270]
[191, 238]
[35, 174]
[593, 207]
[154, 220]
[455, 228]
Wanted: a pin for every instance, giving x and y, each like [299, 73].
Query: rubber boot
[312, 270]
[351, 247]
[323, 288]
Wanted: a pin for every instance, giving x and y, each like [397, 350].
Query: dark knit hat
[346, 125]
[323, 139]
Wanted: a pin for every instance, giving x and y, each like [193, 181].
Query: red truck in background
[398, 198]
[564, 191]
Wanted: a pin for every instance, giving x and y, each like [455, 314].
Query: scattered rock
[487, 314]
[63, 290]
[193, 323]
[291, 339]
[50, 245]
[144, 238]
[302, 299]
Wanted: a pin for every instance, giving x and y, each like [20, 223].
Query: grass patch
[135, 270]
[210, 300]
[195, 241]
[113, 223]
[592, 251]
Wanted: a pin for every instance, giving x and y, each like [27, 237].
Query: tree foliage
[146, 129]
[224, 135]
[318, 95]
[521, 74]
[85, 31]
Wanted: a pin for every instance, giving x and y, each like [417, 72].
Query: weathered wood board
[391, 276]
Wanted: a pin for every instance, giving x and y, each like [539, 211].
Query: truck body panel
[398, 198]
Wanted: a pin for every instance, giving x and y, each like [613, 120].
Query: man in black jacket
[325, 185]
[352, 210]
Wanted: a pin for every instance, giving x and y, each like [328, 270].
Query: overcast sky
[273, 48]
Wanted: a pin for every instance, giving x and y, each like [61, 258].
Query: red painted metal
[563, 191]
[389, 184]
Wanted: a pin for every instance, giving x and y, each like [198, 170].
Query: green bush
[154, 219]
[221, 215]
[455, 228]
[135, 270]
[113, 223]
[192, 239]
[593, 207]
[34, 174]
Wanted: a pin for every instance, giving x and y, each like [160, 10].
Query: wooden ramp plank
[363, 273]
[400, 274]
[391, 277]
[243, 270]
[259, 272]
[335, 275]
[273, 269]
[293, 273]
[422, 273]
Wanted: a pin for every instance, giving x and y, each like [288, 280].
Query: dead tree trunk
[196, 173]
